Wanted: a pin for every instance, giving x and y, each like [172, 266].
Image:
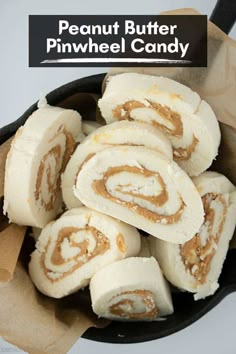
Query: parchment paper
[11, 235]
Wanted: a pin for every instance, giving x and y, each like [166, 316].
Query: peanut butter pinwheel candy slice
[38, 155]
[131, 289]
[179, 112]
[144, 188]
[72, 248]
[196, 265]
[119, 133]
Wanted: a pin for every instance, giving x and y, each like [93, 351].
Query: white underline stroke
[115, 60]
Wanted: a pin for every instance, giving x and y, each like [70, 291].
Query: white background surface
[20, 86]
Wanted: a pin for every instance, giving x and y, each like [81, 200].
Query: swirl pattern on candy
[38, 155]
[128, 293]
[179, 112]
[72, 248]
[119, 133]
[196, 265]
[144, 188]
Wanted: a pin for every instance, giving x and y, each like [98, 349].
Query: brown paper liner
[11, 236]
[11, 240]
[40, 325]
[35, 323]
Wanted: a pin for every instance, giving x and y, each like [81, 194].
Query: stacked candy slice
[188, 122]
[39, 154]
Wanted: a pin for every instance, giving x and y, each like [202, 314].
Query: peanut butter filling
[123, 111]
[185, 153]
[146, 297]
[53, 178]
[99, 187]
[120, 242]
[164, 111]
[84, 256]
[156, 200]
[53, 185]
[196, 256]
[70, 147]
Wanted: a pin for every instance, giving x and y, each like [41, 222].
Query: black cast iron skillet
[187, 310]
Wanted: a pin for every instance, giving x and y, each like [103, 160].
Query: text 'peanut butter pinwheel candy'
[119, 133]
[131, 289]
[38, 155]
[144, 188]
[72, 248]
[196, 265]
[179, 112]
